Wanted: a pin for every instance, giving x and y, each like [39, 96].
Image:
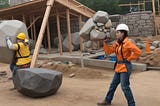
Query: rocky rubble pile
[98, 27]
[152, 58]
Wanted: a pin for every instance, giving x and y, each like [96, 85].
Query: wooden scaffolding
[42, 13]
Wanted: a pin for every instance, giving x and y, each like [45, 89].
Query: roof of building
[38, 7]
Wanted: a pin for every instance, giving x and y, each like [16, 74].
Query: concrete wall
[140, 23]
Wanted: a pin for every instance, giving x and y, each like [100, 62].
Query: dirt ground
[86, 88]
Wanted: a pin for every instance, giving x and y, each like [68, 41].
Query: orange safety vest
[127, 50]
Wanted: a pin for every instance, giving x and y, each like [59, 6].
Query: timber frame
[31, 12]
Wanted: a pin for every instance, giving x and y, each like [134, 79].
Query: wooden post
[42, 30]
[49, 38]
[59, 33]
[154, 16]
[24, 19]
[12, 17]
[153, 7]
[30, 19]
[69, 31]
[34, 30]
[158, 8]
[80, 26]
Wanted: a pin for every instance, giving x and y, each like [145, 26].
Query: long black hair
[124, 36]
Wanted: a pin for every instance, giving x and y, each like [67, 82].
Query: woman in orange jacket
[125, 51]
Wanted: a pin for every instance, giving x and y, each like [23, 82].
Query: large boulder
[37, 82]
[75, 40]
[101, 17]
[95, 34]
[9, 28]
[65, 45]
[56, 41]
[86, 29]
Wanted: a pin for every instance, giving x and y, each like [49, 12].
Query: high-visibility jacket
[22, 53]
[127, 50]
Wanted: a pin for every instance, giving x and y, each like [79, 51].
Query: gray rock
[37, 82]
[101, 17]
[99, 24]
[95, 35]
[65, 45]
[156, 43]
[112, 33]
[41, 51]
[108, 24]
[140, 45]
[9, 28]
[75, 40]
[86, 29]
[31, 44]
[152, 48]
[56, 41]
[88, 44]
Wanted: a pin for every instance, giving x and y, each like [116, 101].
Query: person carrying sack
[125, 51]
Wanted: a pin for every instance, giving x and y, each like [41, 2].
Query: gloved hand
[8, 38]
[107, 39]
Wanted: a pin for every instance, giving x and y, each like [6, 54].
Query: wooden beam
[74, 14]
[81, 39]
[49, 38]
[69, 31]
[42, 30]
[33, 22]
[136, 4]
[73, 5]
[59, 33]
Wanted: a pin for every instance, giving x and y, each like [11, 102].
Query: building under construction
[66, 17]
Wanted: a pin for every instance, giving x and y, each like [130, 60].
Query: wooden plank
[49, 38]
[42, 30]
[80, 26]
[69, 31]
[34, 30]
[59, 34]
[33, 22]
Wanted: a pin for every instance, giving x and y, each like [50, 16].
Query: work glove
[8, 38]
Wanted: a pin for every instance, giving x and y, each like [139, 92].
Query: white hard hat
[122, 27]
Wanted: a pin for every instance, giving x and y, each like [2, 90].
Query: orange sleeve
[136, 52]
[109, 49]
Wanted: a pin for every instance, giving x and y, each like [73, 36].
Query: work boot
[104, 103]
